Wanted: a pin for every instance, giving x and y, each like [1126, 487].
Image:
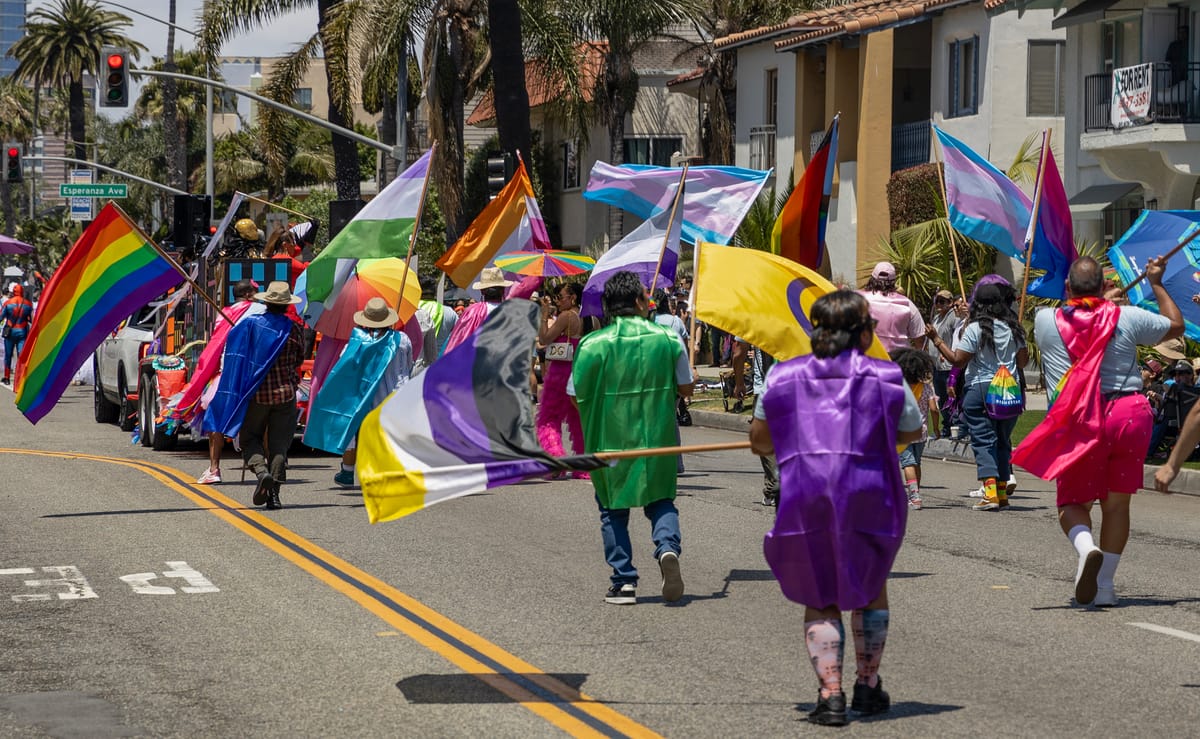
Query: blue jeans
[12, 350]
[990, 439]
[618, 550]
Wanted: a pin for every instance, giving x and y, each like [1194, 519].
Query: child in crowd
[917, 367]
[833, 419]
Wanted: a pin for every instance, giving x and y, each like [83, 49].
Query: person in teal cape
[625, 379]
[377, 359]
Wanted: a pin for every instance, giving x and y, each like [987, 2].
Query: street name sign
[105, 190]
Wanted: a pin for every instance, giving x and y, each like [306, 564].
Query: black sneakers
[262, 491]
[830, 711]
[273, 503]
[621, 595]
[868, 700]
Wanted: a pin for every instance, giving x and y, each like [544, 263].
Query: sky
[276, 39]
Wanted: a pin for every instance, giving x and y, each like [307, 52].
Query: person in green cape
[625, 379]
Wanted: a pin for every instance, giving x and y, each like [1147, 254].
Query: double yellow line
[556, 702]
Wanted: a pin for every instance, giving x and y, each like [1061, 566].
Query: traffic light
[115, 91]
[12, 163]
[499, 171]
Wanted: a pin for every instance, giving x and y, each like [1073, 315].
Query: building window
[302, 99]
[570, 164]
[1044, 78]
[964, 77]
[652, 150]
[772, 89]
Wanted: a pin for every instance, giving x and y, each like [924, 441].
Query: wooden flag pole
[664, 451]
[412, 241]
[175, 265]
[946, 201]
[667, 238]
[277, 206]
[1184, 240]
[1033, 222]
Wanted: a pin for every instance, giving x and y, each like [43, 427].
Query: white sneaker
[1085, 576]
[672, 588]
[1010, 487]
[976, 493]
[1106, 597]
[209, 477]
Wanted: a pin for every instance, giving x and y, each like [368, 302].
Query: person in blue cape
[833, 419]
[256, 395]
[375, 361]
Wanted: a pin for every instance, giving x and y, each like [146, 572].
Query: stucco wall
[753, 61]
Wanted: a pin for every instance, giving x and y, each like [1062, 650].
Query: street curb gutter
[1187, 483]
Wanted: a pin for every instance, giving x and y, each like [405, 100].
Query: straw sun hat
[376, 314]
[277, 293]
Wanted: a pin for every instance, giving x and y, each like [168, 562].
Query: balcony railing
[910, 144]
[762, 147]
[1173, 99]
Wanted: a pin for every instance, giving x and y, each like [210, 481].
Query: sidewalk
[1188, 481]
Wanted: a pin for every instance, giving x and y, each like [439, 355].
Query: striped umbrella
[548, 263]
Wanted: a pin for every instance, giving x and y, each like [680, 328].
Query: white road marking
[17, 571]
[1166, 630]
[140, 582]
[69, 577]
[196, 583]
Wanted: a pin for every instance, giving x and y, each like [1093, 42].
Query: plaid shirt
[279, 385]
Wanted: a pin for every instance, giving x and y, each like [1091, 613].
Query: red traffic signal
[13, 167]
[115, 93]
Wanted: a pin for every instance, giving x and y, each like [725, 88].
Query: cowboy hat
[376, 314]
[278, 293]
[491, 277]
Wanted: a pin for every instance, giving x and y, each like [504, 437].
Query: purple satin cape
[842, 506]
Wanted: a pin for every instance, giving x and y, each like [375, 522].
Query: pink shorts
[1116, 462]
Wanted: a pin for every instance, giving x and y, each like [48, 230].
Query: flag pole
[1184, 240]
[1033, 221]
[277, 206]
[175, 265]
[670, 223]
[664, 451]
[946, 202]
[412, 241]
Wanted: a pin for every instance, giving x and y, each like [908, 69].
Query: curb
[1187, 483]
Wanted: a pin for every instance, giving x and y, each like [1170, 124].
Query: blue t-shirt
[986, 361]
[1119, 370]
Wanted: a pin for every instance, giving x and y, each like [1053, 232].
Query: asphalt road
[135, 603]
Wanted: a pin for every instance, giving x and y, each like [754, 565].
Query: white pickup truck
[115, 366]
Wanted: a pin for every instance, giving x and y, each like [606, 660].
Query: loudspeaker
[192, 215]
[342, 212]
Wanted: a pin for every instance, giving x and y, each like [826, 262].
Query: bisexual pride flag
[462, 426]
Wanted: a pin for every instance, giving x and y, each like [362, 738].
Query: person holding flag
[842, 506]
[1094, 438]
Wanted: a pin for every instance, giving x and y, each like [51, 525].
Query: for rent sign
[1131, 94]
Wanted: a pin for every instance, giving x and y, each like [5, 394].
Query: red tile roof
[543, 87]
[695, 74]
[862, 17]
[795, 23]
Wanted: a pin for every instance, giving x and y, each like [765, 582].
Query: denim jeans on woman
[991, 440]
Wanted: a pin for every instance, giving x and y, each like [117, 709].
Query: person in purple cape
[833, 419]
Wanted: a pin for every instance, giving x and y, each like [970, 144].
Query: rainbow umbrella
[372, 278]
[548, 263]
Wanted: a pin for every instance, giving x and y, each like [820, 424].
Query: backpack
[1003, 399]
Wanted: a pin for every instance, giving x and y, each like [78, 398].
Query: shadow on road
[900, 709]
[481, 688]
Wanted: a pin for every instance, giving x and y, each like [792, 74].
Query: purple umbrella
[9, 245]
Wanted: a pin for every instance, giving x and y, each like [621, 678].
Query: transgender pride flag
[983, 203]
[462, 426]
[717, 200]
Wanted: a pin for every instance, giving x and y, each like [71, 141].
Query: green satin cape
[624, 377]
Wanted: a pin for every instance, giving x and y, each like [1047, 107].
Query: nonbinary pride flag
[111, 271]
[460, 427]
[768, 303]
[983, 203]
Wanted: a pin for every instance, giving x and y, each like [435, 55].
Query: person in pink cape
[491, 286]
[1094, 438]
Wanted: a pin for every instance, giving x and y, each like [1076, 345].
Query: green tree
[16, 124]
[61, 44]
[152, 104]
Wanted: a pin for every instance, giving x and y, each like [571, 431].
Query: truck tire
[152, 436]
[127, 415]
[105, 411]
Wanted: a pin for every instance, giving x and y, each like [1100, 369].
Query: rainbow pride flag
[111, 271]
[799, 232]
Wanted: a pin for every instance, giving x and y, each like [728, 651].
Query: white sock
[1081, 539]
[1108, 570]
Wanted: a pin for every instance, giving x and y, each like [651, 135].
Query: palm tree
[224, 18]
[16, 124]
[173, 138]
[624, 25]
[63, 43]
[152, 105]
[508, 76]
